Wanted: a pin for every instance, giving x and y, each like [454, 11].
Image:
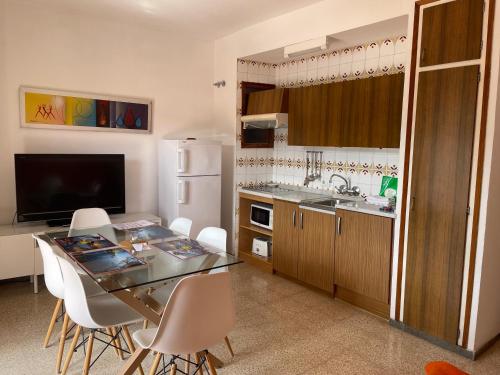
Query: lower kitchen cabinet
[317, 236]
[285, 237]
[363, 247]
[303, 243]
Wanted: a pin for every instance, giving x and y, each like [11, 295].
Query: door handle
[181, 192]
[412, 204]
[181, 160]
[339, 225]
[301, 220]
[294, 217]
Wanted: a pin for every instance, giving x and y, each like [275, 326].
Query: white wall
[46, 48]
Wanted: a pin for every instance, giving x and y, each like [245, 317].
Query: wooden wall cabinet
[303, 244]
[268, 101]
[363, 250]
[356, 113]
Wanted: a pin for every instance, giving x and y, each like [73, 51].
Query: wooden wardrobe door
[451, 32]
[442, 157]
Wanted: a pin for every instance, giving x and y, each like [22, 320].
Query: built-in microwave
[261, 214]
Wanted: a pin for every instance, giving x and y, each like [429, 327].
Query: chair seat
[144, 337]
[109, 311]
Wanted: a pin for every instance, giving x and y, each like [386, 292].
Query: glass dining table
[149, 257]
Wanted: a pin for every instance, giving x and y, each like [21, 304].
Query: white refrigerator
[190, 182]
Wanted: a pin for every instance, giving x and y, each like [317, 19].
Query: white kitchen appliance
[261, 214]
[262, 246]
[190, 182]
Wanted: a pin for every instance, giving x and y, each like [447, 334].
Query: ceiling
[350, 38]
[208, 19]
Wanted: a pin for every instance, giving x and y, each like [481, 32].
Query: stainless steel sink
[325, 204]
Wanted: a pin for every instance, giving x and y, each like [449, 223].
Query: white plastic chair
[181, 225]
[55, 285]
[214, 237]
[199, 314]
[97, 313]
[89, 218]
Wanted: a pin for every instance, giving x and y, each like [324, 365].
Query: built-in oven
[261, 214]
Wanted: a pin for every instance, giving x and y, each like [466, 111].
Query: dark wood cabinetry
[303, 244]
[356, 113]
[286, 237]
[316, 251]
[443, 143]
[363, 248]
[268, 101]
[451, 32]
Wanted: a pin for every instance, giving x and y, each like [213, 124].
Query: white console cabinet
[19, 255]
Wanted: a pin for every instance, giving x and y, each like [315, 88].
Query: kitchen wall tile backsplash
[286, 164]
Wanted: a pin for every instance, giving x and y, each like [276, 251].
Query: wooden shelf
[257, 229]
[266, 264]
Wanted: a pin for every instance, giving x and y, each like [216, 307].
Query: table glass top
[157, 265]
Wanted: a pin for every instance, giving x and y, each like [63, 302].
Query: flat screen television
[53, 186]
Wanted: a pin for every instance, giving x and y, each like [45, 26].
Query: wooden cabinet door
[285, 237]
[315, 253]
[451, 32]
[384, 113]
[307, 116]
[355, 112]
[333, 131]
[363, 246]
[443, 144]
[268, 101]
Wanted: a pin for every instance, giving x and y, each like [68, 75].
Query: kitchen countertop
[356, 204]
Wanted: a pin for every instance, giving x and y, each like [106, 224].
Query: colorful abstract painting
[79, 111]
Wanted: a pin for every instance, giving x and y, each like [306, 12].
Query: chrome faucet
[347, 188]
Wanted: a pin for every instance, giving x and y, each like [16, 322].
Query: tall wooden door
[315, 254]
[442, 157]
[363, 254]
[285, 237]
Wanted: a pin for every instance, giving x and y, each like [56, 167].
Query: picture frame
[42, 108]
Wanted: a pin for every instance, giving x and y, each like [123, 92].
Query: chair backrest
[51, 269]
[199, 314]
[89, 218]
[75, 299]
[181, 225]
[215, 237]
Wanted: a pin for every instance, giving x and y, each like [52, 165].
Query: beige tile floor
[283, 328]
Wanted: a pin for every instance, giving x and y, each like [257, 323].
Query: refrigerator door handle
[181, 192]
[181, 160]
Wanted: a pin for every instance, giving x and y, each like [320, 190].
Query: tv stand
[58, 222]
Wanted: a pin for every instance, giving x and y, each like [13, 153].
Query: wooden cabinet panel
[285, 237]
[443, 144]
[355, 111]
[307, 113]
[363, 254]
[451, 32]
[316, 253]
[268, 101]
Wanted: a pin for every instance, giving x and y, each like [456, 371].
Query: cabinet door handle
[339, 225]
[301, 220]
[293, 217]
[412, 204]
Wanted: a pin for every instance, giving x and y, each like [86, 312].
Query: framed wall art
[69, 110]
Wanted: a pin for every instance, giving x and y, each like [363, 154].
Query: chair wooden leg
[52, 322]
[211, 367]
[198, 361]
[62, 339]
[130, 344]
[88, 355]
[186, 367]
[118, 343]
[71, 349]
[173, 369]
[228, 344]
[115, 347]
[156, 362]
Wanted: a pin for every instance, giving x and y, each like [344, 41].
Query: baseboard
[434, 340]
